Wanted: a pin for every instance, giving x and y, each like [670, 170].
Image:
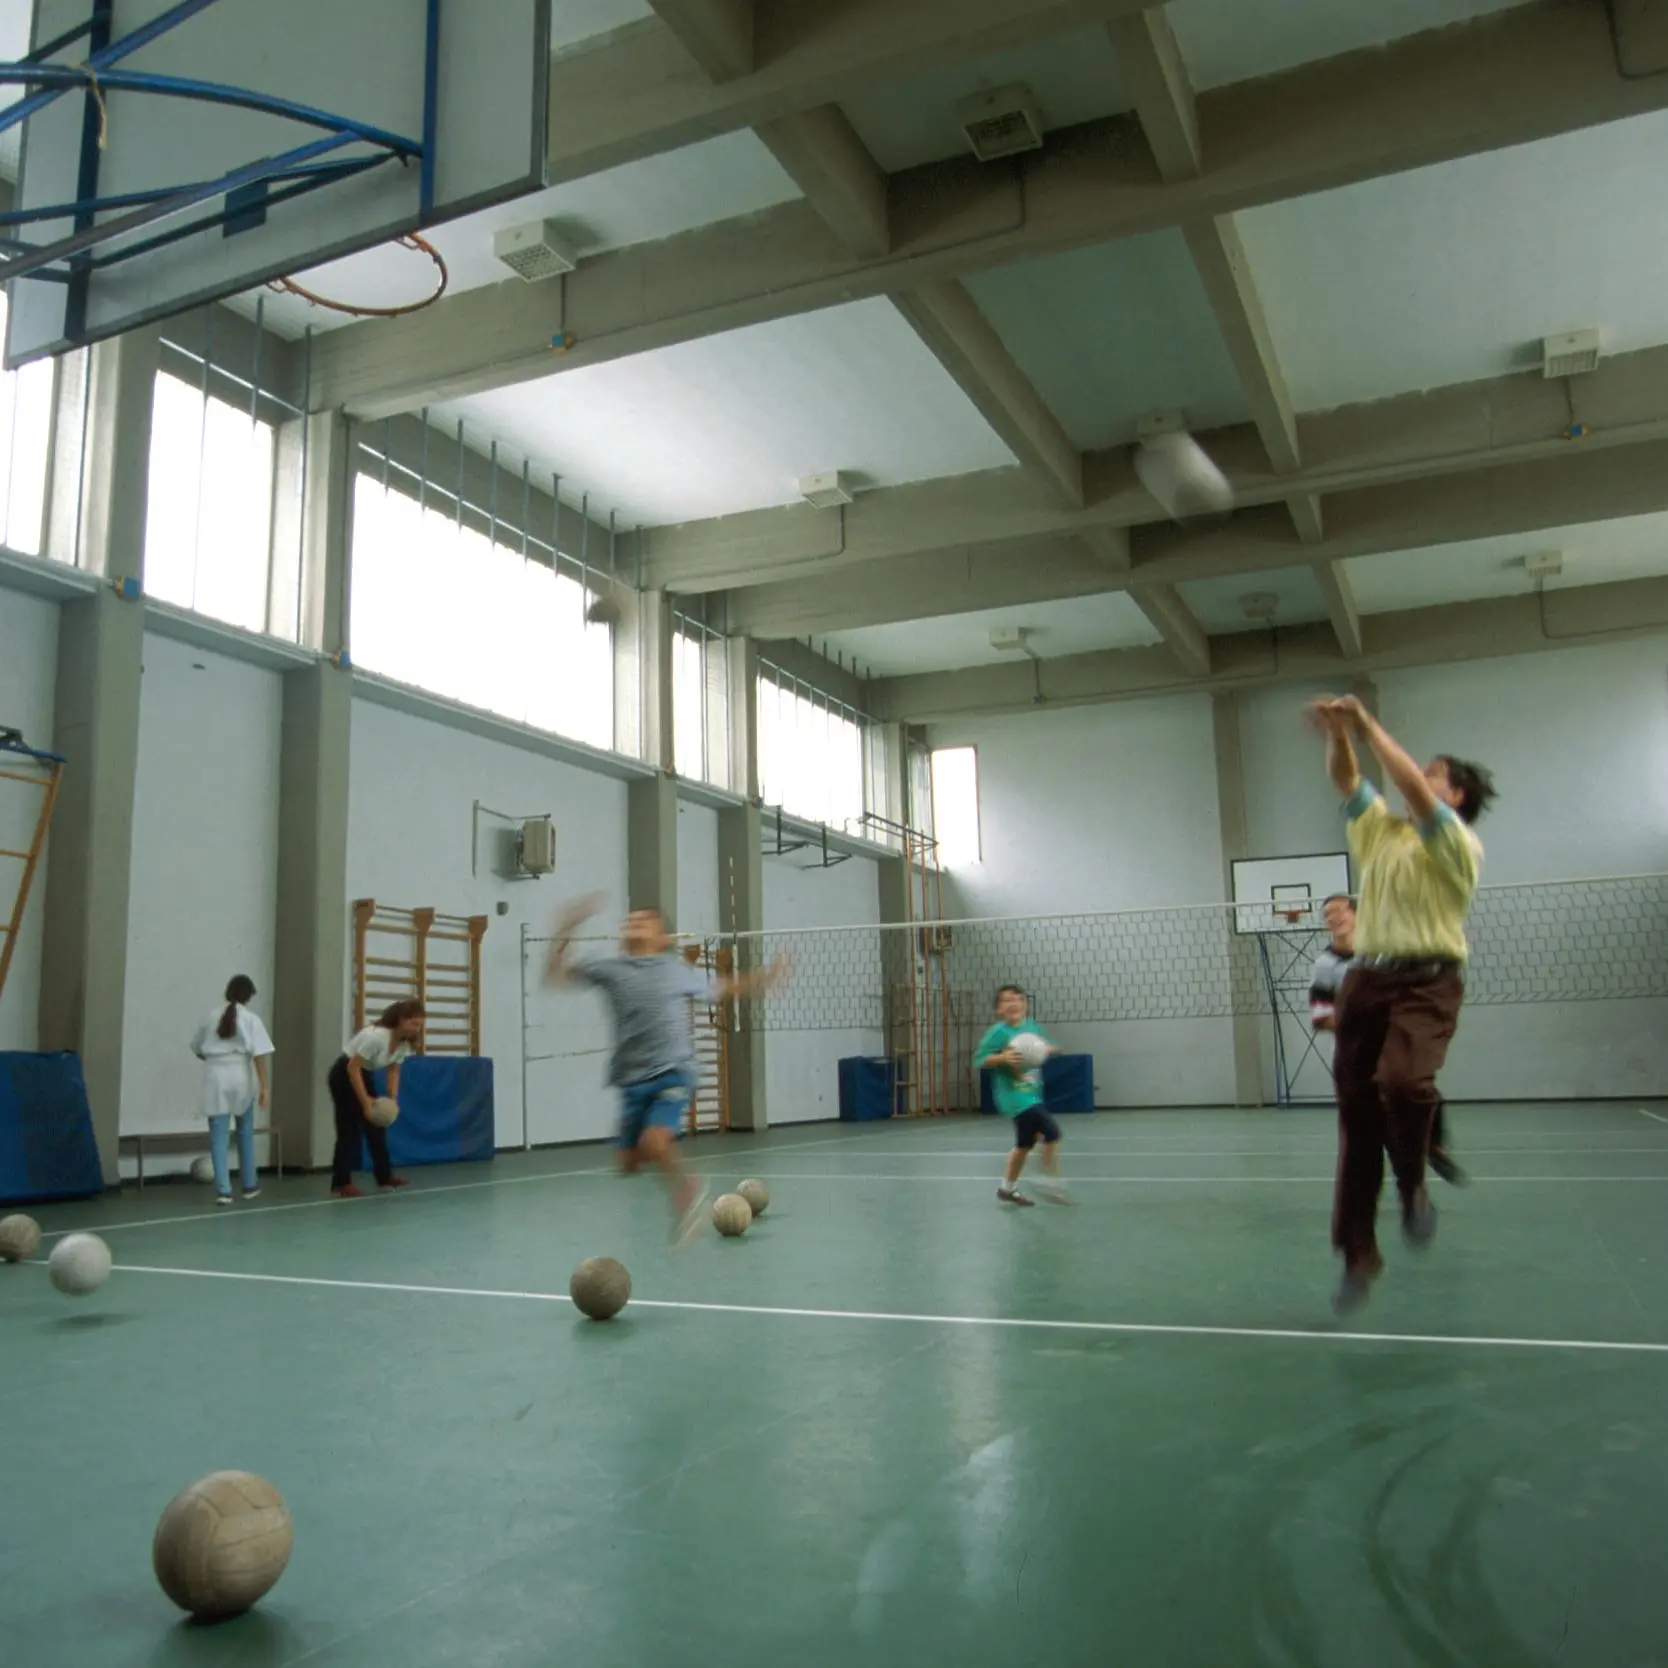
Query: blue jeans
[657, 1102]
[219, 1131]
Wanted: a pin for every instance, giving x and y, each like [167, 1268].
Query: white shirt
[229, 1083]
[376, 1049]
[248, 1042]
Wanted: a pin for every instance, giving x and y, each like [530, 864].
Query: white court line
[221, 1214]
[1656, 1115]
[998, 1147]
[1013, 1322]
[1070, 1175]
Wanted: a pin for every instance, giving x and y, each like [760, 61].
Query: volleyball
[1030, 1047]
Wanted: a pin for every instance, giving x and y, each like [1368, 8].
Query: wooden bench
[193, 1141]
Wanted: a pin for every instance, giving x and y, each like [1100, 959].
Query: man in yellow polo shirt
[1397, 1010]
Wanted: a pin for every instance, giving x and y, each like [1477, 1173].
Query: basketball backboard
[1270, 891]
[359, 123]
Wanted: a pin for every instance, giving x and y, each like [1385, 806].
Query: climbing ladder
[709, 1106]
[408, 938]
[42, 772]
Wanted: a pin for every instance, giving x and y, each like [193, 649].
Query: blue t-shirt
[651, 997]
[1013, 1091]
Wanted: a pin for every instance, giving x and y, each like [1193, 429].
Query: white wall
[414, 782]
[697, 870]
[203, 897]
[1088, 809]
[1578, 741]
[802, 1064]
[28, 668]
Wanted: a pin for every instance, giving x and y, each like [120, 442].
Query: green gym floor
[895, 1424]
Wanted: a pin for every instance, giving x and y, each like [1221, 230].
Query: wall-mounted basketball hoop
[288, 286]
[411, 112]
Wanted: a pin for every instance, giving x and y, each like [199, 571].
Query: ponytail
[238, 990]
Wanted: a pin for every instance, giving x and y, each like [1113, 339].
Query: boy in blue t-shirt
[1017, 1084]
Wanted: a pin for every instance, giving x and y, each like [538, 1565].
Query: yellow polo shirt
[1416, 883]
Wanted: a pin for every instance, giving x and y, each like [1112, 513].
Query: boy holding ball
[1014, 1049]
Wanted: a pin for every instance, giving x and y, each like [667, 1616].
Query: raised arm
[1333, 719]
[557, 968]
[1401, 769]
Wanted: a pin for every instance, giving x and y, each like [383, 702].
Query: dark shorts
[656, 1103]
[1034, 1125]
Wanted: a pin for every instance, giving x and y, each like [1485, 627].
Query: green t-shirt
[1013, 1091]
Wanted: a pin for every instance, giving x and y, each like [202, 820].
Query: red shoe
[347, 1192]
[393, 1182]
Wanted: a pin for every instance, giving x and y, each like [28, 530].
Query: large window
[810, 752]
[955, 804]
[25, 437]
[208, 528]
[700, 702]
[440, 606]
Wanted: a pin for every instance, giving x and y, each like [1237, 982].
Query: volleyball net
[1569, 956]
[1554, 942]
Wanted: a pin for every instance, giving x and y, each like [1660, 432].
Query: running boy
[651, 989]
[1017, 1084]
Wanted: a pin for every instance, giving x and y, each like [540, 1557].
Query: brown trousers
[1394, 1027]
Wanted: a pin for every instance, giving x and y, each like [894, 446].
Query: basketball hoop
[288, 286]
[1290, 916]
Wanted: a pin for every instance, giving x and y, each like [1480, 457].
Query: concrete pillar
[742, 663]
[101, 642]
[1230, 803]
[96, 727]
[652, 803]
[741, 909]
[643, 678]
[652, 845]
[310, 999]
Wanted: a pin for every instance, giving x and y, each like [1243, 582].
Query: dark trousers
[1394, 1027]
[352, 1126]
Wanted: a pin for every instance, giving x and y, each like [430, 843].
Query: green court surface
[895, 1424]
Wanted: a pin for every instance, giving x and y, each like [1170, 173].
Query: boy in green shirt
[1016, 1074]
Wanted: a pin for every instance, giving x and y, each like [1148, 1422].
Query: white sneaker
[222, 1198]
[251, 1193]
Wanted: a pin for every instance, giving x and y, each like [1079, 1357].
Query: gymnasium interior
[880, 484]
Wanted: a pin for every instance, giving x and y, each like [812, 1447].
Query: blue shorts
[656, 1103]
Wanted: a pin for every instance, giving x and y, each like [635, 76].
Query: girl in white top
[379, 1047]
[234, 1048]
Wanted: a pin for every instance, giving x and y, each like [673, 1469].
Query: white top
[250, 1041]
[376, 1048]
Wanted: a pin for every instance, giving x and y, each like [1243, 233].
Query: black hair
[1337, 897]
[1003, 990]
[239, 989]
[1474, 783]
